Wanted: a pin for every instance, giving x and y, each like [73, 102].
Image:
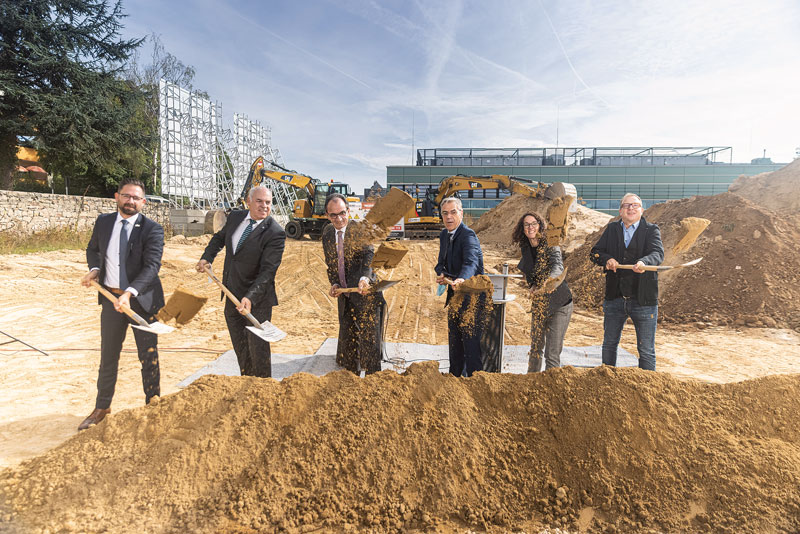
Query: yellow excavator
[308, 212]
[424, 222]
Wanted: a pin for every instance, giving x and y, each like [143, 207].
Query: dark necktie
[340, 254]
[123, 255]
[449, 254]
[244, 235]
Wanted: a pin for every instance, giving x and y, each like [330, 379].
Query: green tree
[59, 65]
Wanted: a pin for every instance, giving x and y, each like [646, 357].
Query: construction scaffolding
[251, 141]
[203, 164]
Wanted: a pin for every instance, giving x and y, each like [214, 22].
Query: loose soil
[750, 273]
[684, 450]
[604, 449]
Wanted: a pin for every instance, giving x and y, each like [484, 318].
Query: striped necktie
[340, 254]
[244, 235]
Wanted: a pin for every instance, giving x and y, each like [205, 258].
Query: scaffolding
[203, 164]
[251, 141]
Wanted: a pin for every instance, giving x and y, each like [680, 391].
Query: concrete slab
[400, 356]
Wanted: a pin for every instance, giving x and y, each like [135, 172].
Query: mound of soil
[496, 226]
[587, 449]
[750, 273]
[778, 190]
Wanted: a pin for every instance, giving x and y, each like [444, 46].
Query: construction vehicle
[424, 222]
[308, 210]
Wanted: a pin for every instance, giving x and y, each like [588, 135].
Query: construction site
[709, 443]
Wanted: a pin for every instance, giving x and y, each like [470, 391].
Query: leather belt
[116, 290]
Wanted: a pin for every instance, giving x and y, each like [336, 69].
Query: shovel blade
[268, 332]
[155, 328]
[385, 284]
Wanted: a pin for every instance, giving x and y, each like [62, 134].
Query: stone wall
[26, 213]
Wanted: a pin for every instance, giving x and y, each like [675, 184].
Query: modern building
[600, 174]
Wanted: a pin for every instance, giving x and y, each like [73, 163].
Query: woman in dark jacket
[551, 308]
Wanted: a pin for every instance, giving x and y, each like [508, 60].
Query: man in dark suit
[253, 244]
[124, 254]
[461, 258]
[630, 293]
[360, 314]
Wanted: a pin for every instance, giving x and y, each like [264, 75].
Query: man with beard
[124, 255]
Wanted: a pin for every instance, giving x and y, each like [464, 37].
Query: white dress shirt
[240, 230]
[112, 252]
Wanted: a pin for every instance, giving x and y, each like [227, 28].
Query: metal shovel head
[268, 332]
[385, 284]
[693, 262]
[155, 328]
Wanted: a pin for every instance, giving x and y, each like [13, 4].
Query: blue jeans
[615, 313]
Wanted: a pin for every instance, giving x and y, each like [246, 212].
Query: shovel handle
[129, 312]
[646, 267]
[236, 302]
[341, 290]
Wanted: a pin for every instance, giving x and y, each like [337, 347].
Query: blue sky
[341, 83]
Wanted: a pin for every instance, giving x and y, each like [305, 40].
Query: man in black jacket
[348, 259]
[253, 244]
[630, 293]
[124, 255]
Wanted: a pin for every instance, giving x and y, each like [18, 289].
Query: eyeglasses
[531, 225]
[126, 196]
[338, 215]
[630, 206]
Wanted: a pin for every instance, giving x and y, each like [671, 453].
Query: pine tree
[59, 84]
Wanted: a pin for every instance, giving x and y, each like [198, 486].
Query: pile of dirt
[496, 226]
[604, 449]
[750, 273]
[778, 190]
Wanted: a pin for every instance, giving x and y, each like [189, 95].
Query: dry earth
[45, 397]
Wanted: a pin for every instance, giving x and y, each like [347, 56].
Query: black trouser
[360, 336]
[252, 352]
[465, 338]
[113, 329]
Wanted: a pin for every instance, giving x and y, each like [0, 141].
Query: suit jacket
[145, 248]
[460, 258]
[250, 271]
[536, 274]
[357, 259]
[645, 246]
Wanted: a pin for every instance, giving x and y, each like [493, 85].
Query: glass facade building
[601, 175]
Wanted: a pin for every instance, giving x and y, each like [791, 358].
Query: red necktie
[340, 253]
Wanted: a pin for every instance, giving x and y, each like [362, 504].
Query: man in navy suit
[124, 255]
[630, 293]
[460, 258]
[253, 244]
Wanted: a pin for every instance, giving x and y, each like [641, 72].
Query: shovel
[154, 328]
[662, 267]
[380, 286]
[266, 330]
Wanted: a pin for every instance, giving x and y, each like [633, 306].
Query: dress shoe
[95, 417]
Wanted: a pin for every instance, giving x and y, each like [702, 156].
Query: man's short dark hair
[130, 181]
[334, 196]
